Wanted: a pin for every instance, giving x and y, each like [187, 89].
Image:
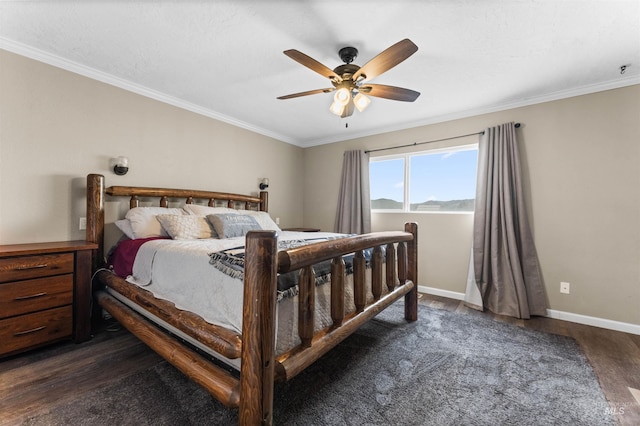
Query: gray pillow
[229, 225]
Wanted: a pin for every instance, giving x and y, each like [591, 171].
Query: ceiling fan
[350, 81]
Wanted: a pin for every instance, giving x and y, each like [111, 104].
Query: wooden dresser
[45, 294]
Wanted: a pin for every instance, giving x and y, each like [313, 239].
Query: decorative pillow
[263, 219]
[144, 223]
[229, 225]
[200, 210]
[186, 227]
[125, 226]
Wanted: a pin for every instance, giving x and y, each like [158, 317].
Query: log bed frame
[252, 392]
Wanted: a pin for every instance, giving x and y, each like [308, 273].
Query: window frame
[406, 204]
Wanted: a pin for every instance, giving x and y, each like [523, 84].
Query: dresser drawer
[34, 329]
[22, 297]
[44, 265]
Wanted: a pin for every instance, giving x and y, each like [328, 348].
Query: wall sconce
[120, 165]
[264, 184]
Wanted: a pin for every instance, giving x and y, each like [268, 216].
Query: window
[442, 180]
[386, 179]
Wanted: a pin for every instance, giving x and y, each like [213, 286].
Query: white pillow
[200, 210]
[263, 219]
[125, 226]
[144, 222]
[186, 227]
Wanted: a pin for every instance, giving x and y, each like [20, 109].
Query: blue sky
[439, 176]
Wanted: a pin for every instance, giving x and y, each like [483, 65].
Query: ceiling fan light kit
[341, 100]
[348, 79]
[361, 101]
[342, 96]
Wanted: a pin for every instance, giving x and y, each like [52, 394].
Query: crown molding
[92, 73]
[56, 61]
[548, 97]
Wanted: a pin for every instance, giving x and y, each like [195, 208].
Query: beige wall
[581, 155]
[582, 176]
[57, 126]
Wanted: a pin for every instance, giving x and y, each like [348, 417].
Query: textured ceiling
[224, 59]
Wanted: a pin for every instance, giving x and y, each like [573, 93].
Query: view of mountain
[385, 204]
[431, 205]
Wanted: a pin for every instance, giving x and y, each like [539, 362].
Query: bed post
[258, 329]
[411, 298]
[264, 201]
[95, 217]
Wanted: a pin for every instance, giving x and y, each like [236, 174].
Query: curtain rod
[517, 125]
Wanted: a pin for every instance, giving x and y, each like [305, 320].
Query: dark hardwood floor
[39, 380]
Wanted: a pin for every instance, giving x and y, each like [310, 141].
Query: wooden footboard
[263, 262]
[253, 391]
[304, 258]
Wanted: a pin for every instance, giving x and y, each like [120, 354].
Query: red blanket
[122, 257]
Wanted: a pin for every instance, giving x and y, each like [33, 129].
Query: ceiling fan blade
[309, 92]
[312, 64]
[387, 59]
[389, 92]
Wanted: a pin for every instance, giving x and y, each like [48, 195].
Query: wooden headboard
[96, 197]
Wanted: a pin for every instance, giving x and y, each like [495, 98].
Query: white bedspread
[179, 271]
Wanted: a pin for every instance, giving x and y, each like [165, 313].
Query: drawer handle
[33, 330]
[22, 268]
[31, 296]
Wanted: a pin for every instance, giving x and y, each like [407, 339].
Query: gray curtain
[353, 215]
[504, 259]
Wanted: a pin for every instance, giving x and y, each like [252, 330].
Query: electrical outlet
[83, 223]
[565, 287]
[277, 221]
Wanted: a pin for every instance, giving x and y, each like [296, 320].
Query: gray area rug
[446, 369]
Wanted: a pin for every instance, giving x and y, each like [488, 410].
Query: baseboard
[625, 327]
[551, 313]
[442, 293]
